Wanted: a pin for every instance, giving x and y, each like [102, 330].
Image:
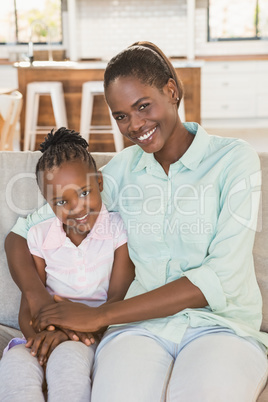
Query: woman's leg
[68, 372]
[21, 376]
[133, 368]
[218, 368]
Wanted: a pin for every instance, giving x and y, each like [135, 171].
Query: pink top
[81, 273]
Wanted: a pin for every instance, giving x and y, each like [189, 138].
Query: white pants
[214, 367]
[67, 374]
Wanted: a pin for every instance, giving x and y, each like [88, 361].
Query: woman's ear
[100, 180]
[172, 90]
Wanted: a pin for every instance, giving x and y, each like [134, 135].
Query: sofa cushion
[260, 250]
[18, 196]
[6, 334]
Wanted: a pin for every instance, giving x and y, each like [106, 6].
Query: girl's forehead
[69, 172]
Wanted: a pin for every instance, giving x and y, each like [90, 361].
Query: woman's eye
[60, 203]
[120, 117]
[84, 194]
[144, 106]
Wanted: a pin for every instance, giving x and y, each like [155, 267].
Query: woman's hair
[145, 61]
[62, 146]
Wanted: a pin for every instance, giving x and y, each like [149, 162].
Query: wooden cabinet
[73, 78]
[234, 92]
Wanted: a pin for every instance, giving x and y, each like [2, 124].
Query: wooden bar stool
[10, 108]
[89, 90]
[34, 91]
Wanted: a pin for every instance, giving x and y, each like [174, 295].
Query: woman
[189, 327]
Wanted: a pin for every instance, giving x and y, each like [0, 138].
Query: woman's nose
[136, 123]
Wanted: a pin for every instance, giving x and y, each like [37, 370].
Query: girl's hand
[43, 344]
[68, 315]
[86, 337]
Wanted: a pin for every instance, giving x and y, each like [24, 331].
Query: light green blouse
[198, 221]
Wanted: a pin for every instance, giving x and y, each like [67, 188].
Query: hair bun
[62, 136]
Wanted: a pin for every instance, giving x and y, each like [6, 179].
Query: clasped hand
[68, 315]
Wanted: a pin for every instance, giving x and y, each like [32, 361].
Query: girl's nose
[77, 205]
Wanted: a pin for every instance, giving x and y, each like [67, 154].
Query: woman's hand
[70, 315]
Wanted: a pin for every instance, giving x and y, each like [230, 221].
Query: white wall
[105, 27]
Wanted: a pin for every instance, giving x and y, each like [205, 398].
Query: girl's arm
[123, 273]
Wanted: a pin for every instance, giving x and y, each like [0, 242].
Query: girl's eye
[144, 106]
[60, 203]
[84, 194]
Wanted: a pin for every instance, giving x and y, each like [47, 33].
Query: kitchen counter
[89, 65]
[74, 74]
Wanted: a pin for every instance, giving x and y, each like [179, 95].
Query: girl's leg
[68, 372]
[21, 376]
[133, 368]
[218, 368]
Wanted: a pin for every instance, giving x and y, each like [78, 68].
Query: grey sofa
[19, 195]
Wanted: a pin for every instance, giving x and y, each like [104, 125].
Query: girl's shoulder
[43, 227]
[117, 225]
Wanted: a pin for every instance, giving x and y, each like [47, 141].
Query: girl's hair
[63, 146]
[145, 61]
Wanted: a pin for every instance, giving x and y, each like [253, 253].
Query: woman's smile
[147, 137]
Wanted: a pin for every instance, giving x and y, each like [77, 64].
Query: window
[237, 20]
[38, 20]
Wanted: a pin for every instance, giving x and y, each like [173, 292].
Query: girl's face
[73, 192]
[144, 114]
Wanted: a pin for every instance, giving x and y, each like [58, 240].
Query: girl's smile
[77, 205]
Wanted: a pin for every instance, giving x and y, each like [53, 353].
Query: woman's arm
[23, 271]
[24, 312]
[161, 302]
[25, 318]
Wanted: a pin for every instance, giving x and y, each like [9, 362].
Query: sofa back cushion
[260, 250]
[20, 195]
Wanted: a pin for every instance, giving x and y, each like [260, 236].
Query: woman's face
[144, 114]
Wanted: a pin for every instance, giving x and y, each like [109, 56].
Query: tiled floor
[258, 137]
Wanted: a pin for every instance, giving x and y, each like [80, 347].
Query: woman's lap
[139, 367]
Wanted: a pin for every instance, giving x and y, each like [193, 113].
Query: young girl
[80, 254]
[190, 322]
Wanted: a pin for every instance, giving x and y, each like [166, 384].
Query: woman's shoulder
[235, 149]
[128, 157]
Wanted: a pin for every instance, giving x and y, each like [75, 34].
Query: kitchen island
[74, 74]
